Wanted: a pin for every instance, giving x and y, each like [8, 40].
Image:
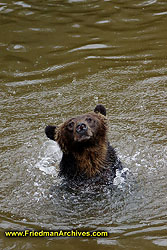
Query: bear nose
[81, 128]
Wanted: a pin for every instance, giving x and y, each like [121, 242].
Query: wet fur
[87, 159]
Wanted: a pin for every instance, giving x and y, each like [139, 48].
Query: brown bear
[87, 154]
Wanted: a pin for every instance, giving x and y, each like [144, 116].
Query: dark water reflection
[61, 58]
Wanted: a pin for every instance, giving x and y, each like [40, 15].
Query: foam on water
[49, 158]
[121, 176]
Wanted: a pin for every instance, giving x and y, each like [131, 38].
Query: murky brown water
[61, 58]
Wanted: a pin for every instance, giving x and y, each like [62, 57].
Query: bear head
[80, 132]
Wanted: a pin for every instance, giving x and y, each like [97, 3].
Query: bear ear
[50, 132]
[100, 109]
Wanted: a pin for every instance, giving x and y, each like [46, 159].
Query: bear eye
[70, 126]
[89, 120]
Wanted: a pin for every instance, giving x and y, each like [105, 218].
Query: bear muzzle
[82, 132]
[81, 128]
